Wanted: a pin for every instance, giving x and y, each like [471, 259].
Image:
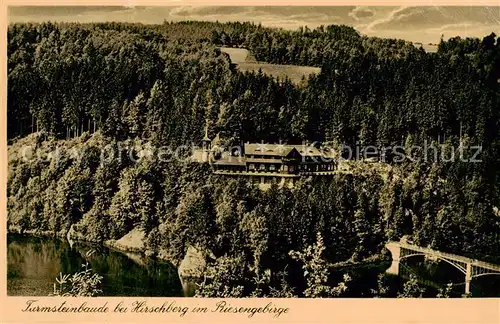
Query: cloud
[392, 16]
[361, 13]
[435, 16]
[189, 11]
[49, 11]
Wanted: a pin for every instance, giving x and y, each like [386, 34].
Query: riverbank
[133, 241]
[130, 242]
[36, 233]
[191, 267]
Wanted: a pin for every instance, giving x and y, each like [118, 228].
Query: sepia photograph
[253, 151]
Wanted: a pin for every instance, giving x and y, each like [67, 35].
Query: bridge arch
[407, 256]
[485, 274]
[462, 269]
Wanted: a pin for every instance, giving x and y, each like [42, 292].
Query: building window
[291, 168]
[251, 167]
[272, 167]
[262, 167]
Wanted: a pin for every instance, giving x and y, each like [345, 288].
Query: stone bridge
[469, 267]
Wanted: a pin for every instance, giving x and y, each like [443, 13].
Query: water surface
[33, 263]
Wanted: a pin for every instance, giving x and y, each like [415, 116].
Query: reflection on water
[433, 275]
[34, 263]
[436, 273]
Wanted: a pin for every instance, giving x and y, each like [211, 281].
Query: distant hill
[414, 23]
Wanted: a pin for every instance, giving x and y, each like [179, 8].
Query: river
[33, 263]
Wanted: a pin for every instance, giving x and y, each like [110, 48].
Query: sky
[416, 24]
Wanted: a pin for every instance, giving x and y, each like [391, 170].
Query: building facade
[267, 163]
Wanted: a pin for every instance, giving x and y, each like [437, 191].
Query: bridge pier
[395, 250]
[468, 278]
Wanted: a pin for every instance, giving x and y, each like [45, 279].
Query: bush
[80, 284]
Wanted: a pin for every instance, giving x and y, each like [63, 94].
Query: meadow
[246, 62]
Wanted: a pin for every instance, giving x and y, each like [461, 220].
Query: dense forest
[88, 86]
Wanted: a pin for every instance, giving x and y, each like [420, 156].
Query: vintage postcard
[180, 162]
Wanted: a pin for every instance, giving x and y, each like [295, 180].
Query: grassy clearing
[293, 72]
[238, 55]
[246, 62]
[429, 48]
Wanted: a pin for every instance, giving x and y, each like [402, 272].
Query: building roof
[307, 150]
[272, 153]
[280, 149]
[267, 149]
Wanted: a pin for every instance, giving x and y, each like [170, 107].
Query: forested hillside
[83, 87]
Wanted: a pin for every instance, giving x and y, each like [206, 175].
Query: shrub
[85, 283]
